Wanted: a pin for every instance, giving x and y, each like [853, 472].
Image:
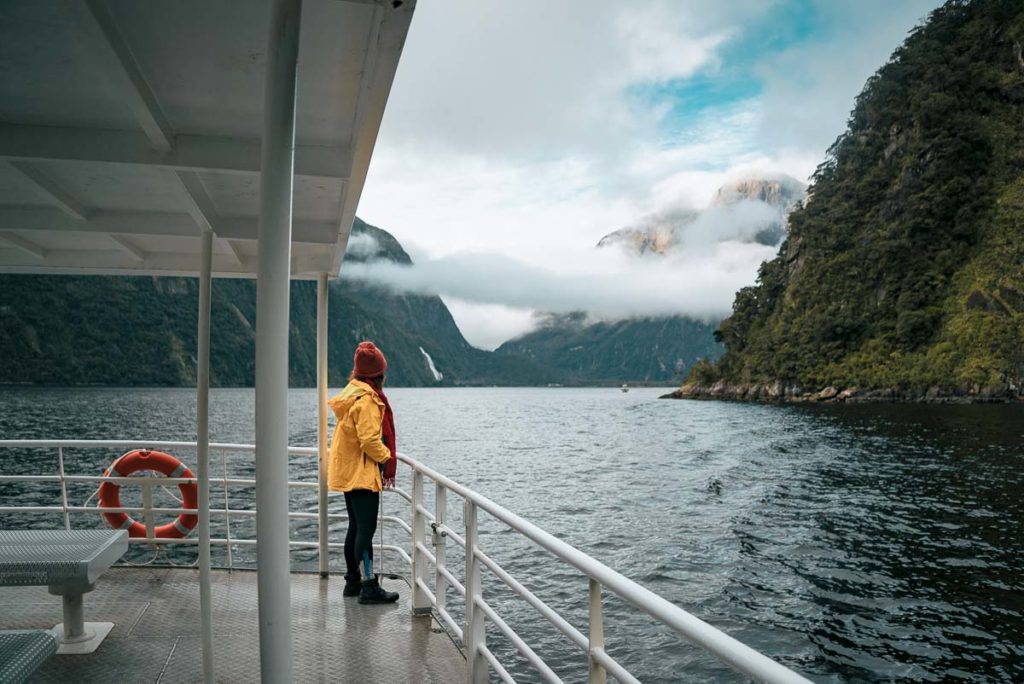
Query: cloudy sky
[520, 133]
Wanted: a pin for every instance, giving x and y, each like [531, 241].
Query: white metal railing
[149, 511]
[477, 611]
[431, 596]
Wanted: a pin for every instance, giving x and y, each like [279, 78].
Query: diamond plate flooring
[156, 633]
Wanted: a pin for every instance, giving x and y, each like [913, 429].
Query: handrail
[727, 649]
[136, 444]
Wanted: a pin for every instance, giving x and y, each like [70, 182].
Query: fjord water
[852, 543]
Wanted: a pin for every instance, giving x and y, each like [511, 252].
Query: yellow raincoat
[357, 450]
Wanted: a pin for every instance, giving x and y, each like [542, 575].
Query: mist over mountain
[631, 333]
[749, 209]
[141, 331]
[651, 349]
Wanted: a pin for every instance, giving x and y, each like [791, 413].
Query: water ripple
[852, 543]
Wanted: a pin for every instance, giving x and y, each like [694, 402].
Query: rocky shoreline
[781, 392]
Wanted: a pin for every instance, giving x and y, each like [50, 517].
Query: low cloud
[493, 296]
[487, 326]
[700, 281]
[741, 221]
[361, 246]
[681, 228]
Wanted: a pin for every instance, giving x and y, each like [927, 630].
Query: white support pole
[63, 487]
[321, 400]
[273, 281]
[203, 453]
[440, 539]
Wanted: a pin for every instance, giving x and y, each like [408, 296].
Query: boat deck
[156, 636]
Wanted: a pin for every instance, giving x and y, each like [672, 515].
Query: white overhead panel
[128, 128]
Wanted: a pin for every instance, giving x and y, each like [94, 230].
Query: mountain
[756, 206]
[99, 330]
[648, 350]
[903, 274]
[660, 349]
[656, 234]
[782, 193]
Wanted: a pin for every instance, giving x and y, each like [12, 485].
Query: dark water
[852, 543]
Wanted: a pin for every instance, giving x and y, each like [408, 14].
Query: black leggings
[361, 505]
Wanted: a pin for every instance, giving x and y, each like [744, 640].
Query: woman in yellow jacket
[362, 462]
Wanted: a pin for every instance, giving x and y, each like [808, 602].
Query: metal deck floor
[156, 635]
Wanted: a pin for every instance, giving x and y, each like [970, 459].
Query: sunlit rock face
[655, 234]
[782, 193]
[747, 210]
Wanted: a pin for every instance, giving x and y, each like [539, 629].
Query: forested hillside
[74, 330]
[903, 274]
[655, 350]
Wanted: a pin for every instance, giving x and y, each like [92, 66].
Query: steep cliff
[903, 274]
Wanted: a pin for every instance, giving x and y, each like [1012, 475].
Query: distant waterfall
[438, 376]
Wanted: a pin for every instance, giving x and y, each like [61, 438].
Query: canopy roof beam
[167, 224]
[120, 65]
[127, 247]
[24, 245]
[65, 202]
[190, 152]
[235, 252]
[200, 205]
[135, 128]
[116, 261]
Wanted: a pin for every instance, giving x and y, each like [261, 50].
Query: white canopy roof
[127, 128]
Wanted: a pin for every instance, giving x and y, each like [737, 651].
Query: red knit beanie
[369, 361]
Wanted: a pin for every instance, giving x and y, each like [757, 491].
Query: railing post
[63, 487]
[474, 636]
[440, 563]
[598, 675]
[227, 510]
[420, 601]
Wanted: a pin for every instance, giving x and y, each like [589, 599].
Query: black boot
[372, 592]
[352, 585]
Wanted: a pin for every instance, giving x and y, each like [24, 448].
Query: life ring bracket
[166, 465]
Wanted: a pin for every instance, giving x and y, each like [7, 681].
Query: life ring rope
[168, 466]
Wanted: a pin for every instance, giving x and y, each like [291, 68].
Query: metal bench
[24, 650]
[68, 562]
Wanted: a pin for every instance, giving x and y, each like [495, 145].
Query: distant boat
[624, 388]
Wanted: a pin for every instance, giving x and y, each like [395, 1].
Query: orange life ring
[144, 459]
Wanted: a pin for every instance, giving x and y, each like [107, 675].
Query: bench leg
[76, 635]
[74, 618]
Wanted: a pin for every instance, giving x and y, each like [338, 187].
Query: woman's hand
[387, 479]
